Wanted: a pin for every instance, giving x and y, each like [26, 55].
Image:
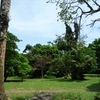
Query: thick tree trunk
[4, 20]
[2, 58]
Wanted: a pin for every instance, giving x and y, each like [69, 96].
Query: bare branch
[70, 6]
[93, 22]
[88, 5]
[96, 3]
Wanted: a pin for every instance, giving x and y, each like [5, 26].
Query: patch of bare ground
[55, 91]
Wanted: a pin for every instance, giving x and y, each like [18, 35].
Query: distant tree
[58, 68]
[27, 48]
[79, 61]
[41, 50]
[95, 45]
[23, 68]
[41, 63]
[11, 54]
[40, 56]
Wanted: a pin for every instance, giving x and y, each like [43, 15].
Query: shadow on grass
[14, 81]
[65, 80]
[20, 98]
[94, 87]
[92, 75]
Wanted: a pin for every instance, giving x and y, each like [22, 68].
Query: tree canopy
[11, 54]
[15, 63]
[95, 46]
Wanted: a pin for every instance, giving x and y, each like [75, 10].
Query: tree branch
[93, 22]
[96, 3]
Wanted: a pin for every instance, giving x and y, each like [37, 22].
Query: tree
[78, 61]
[22, 68]
[4, 20]
[71, 47]
[76, 9]
[58, 68]
[95, 45]
[11, 54]
[61, 43]
[42, 50]
[40, 56]
[70, 40]
[40, 63]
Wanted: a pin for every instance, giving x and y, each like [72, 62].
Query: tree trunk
[2, 57]
[4, 20]
[42, 73]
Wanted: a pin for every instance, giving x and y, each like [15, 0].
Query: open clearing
[88, 87]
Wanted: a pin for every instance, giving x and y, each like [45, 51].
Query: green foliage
[78, 61]
[61, 43]
[67, 12]
[15, 63]
[23, 68]
[40, 56]
[69, 40]
[11, 54]
[11, 41]
[58, 67]
[41, 50]
[95, 46]
[41, 63]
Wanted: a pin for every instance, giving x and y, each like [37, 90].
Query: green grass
[63, 88]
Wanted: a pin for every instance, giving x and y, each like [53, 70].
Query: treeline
[65, 56]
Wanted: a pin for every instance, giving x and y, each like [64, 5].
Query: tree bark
[4, 20]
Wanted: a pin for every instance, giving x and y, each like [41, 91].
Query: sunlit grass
[60, 86]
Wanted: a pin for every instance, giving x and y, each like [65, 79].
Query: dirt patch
[55, 91]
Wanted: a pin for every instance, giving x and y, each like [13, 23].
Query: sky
[35, 21]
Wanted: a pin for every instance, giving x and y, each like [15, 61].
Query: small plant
[97, 96]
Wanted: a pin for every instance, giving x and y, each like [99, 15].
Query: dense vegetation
[54, 59]
[66, 56]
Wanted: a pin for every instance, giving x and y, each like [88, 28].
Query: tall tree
[11, 57]
[70, 39]
[78, 61]
[4, 20]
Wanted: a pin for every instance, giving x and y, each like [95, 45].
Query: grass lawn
[63, 88]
